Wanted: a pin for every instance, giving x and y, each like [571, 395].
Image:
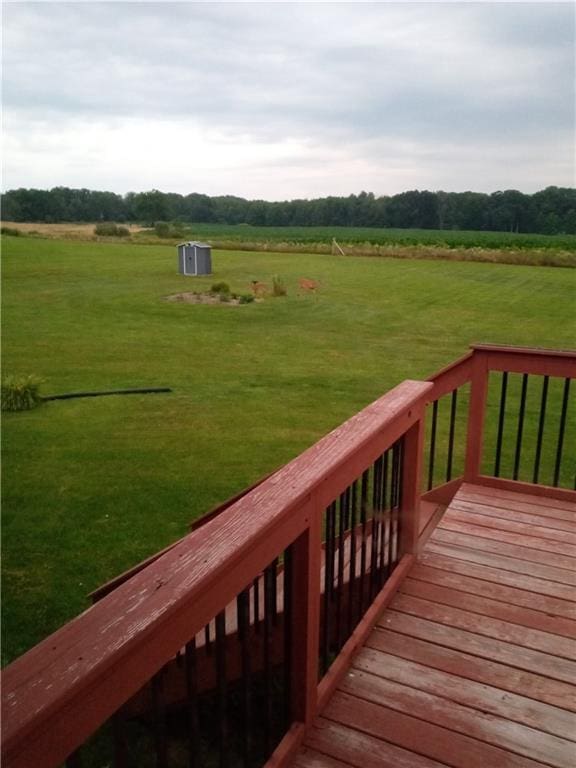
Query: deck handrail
[58, 693]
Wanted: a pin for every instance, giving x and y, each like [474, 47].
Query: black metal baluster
[391, 500]
[332, 561]
[74, 760]
[384, 521]
[432, 444]
[561, 430]
[395, 498]
[540, 430]
[376, 479]
[341, 553]
[352, 493]
[243, 610]
[256, 603]
[159, 718]
[274, 567]
[453, 406]
[363, 509]
[119, 740]
[401, 448]
[501, 417]
[288, 623]
[328, 586]
[192, 703]
[221, 689]
[268, 640]
[520, 429]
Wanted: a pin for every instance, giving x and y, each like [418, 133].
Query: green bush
[245, 298]
[220, 288]
[278, 287]
[109, 229]
[20, 393]
[169, 229]
[10, 231]
[162, 229]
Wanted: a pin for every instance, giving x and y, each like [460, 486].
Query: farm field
[383, 236]
[92, 486]
[499, 247]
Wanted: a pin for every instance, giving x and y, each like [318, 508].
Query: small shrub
[10, 231]
[245, 298]
[278, 287]
[178, 229]
[162, 229]
[220, 288]
[20, 393]
[109, 229]
[169, 229]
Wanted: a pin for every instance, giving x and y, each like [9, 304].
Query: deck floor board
[474, 661]
[497, 591]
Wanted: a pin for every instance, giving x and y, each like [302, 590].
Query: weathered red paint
[518, 486]
[476, 411]
[452, 376]
[56, 695]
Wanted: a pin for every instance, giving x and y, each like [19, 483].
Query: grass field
[92, 486]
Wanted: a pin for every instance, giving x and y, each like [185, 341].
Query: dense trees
[551, 211]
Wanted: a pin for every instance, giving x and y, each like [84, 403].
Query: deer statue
[307, 285]
[258, 289]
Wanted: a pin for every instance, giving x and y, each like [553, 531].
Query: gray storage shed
[194, 259]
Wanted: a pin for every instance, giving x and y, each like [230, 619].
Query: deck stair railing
[223, 649]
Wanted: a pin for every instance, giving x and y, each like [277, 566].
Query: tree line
[550, 211]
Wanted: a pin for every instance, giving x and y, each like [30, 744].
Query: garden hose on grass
[144, 391]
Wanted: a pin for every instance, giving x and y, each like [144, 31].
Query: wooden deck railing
[227, 645]
[498, 436]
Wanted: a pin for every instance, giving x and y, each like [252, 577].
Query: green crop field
[381, 236]
[92, 486]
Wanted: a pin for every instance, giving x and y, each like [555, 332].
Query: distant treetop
[550, 211]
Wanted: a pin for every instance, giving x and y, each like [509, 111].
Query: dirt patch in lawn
[207, 298]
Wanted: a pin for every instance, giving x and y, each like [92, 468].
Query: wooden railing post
[305, 617]
[476, 416]
[412, 462]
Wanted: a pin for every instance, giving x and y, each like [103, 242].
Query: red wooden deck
[473, 664]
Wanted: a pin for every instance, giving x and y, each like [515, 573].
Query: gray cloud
[420, 79]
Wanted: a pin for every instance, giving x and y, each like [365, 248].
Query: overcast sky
[286, 100]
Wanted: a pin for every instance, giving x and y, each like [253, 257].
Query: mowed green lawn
[92, 486]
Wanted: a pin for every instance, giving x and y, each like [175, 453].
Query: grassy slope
[92, 486]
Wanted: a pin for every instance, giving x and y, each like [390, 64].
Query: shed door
[203, 261]
[190, 263]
